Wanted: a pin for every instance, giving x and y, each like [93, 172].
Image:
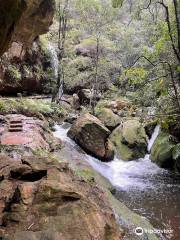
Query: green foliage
[117, 3]
[178, 69]
[31, 107]
[13, 74]
[87, 174]
[176, 152]
[43, 43]
[45, 153]
[135, 75]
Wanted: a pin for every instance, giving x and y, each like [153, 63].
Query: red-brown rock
[58, 205]
[27, 132]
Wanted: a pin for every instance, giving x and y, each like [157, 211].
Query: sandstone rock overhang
[24, 20]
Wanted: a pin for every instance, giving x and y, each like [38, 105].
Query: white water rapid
[153, 137]
[122, 174]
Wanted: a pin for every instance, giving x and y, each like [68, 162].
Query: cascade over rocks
[92, 136]
[46, 200]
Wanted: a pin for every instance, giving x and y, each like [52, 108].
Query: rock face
[23, 20]
[42, 199]
[10, 12]
[21, 23]
[162, 151]
[92, 136]
[110, 119]
[130, 140]
[26, 71]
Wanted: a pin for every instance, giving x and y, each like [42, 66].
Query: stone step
[15, 129]
[15, 122]
[15, 126]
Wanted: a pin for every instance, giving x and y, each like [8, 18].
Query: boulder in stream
[130, 140]
[162, 151]
[110, 119]
[89, 132]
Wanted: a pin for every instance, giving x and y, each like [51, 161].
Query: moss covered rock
[162, 151]
[130, 140]
[110, 119]
[176, 156]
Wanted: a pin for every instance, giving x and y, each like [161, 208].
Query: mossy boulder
[162, 151]
[89, 132]
[130, 140]
[109, 119]
[176, 157]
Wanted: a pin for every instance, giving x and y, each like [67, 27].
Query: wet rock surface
[162, 151]
[92, 136]
[43, 198]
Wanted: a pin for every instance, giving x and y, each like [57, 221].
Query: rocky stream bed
[141, 185]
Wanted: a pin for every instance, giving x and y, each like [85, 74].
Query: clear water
[145, 188]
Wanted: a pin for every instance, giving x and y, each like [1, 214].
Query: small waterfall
[54, 59]
[122, 174]
[55, 65]
[153, 137]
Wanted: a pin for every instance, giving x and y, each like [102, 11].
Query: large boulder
[86, 95]
[89, 132]
[130, 140]
[50, 202]
[120, 106]
[108, 118]
[23, 20]
[162, 151]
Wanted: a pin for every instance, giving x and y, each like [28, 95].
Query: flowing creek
[140, 184]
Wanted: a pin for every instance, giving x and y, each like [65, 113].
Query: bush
[12, 74]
